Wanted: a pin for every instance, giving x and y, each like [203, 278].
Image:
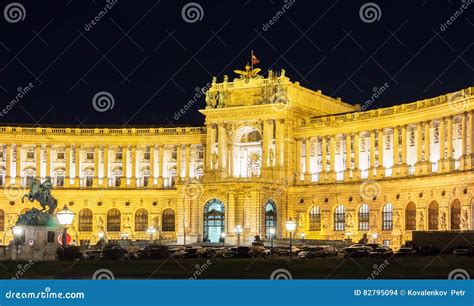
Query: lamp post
[101, 239]
[223, 238]
[290, 227]
[302, 236]
[272, 235]
[65, 217]
[238, 231]
[151, 231]
[17, 232]
[374, 236]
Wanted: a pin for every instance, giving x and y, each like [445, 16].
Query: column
[178, 162]
[210, 138]
[395, 166]
[380, 168]
[161, 149]
[265, 146]
[67, 179]
[332, 158]
[123, 180]
[48, 161]
[419, 155]
[221, 148]
[77, 182]
[133, 176]
[372, 154]
[105, 175]
[324, 157]
[187, 161]
[428, 166]
[356, 171]
[278, 142]
[230, 159]
[442, 148]
[449, 166]
[8, 173]
[18, 165]
[95, 181]
[347, 169]
[404, 165]
[38, 161]
[151, 181]
[307, 174]
[462, 158]
[299, 150]
[470, 130]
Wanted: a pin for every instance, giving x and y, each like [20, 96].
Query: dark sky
[151, 60]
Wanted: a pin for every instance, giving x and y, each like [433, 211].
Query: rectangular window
[118, 156]
[89, 155]
[146, 156]
[174, 155]
[201, 155]
[60, 155]
[50, 236]
[2, 181]
[1, 155]
[30, 155]
[117, 181]
[145, 181]
[60, 181]
[89, 180]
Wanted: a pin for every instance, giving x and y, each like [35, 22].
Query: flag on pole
[255, 60]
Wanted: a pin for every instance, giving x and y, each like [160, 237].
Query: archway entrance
[214, 217]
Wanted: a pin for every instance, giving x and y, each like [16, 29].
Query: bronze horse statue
[41, 192]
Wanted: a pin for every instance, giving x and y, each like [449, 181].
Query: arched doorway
[410, 217]
[433, 215]
[270, 218]
[214, 217]
[455, 215]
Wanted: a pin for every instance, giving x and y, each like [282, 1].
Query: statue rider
[46, 188]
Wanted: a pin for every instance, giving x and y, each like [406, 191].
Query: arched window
[433, 215]
[315, 219]
[214, 220]
[85, 220]
[168, 221]
[339, 218]
[387, 217]
[364, 217]
[2, 221]
[455, 215]
[113, 220]
[270, 218]
[141, 220]
[410, 217]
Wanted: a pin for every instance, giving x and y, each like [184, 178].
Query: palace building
[270, 150]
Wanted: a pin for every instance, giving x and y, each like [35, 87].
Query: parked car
[312, 252]
[238, 252]
[375, 245]
[153, 251]
[405, 251]
[429, 250]
[463, 250]
[259, 250]
[114, 251]
[281, 251]
[381, 252]
[357, 250]
[91, 255]
[330, 250]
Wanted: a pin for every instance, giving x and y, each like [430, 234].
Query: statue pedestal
[37, 243]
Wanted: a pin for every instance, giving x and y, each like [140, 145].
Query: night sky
[150, 59]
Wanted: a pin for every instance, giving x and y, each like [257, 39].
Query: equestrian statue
[41, 192]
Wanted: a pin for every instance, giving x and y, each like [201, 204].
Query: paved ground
[257, 268]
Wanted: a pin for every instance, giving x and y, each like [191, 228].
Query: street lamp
[151, 231]
[302, 236]
[238, 231]
[223, 238]
[272, 235]
[374, 236]
[65, 217]
[290, 227]
[17, 232]
[101, 239]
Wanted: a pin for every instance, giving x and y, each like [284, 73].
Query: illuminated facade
[270, 150]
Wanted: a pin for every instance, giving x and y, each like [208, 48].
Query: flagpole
[251, 59]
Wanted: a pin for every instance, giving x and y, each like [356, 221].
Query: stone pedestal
[37, 243]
